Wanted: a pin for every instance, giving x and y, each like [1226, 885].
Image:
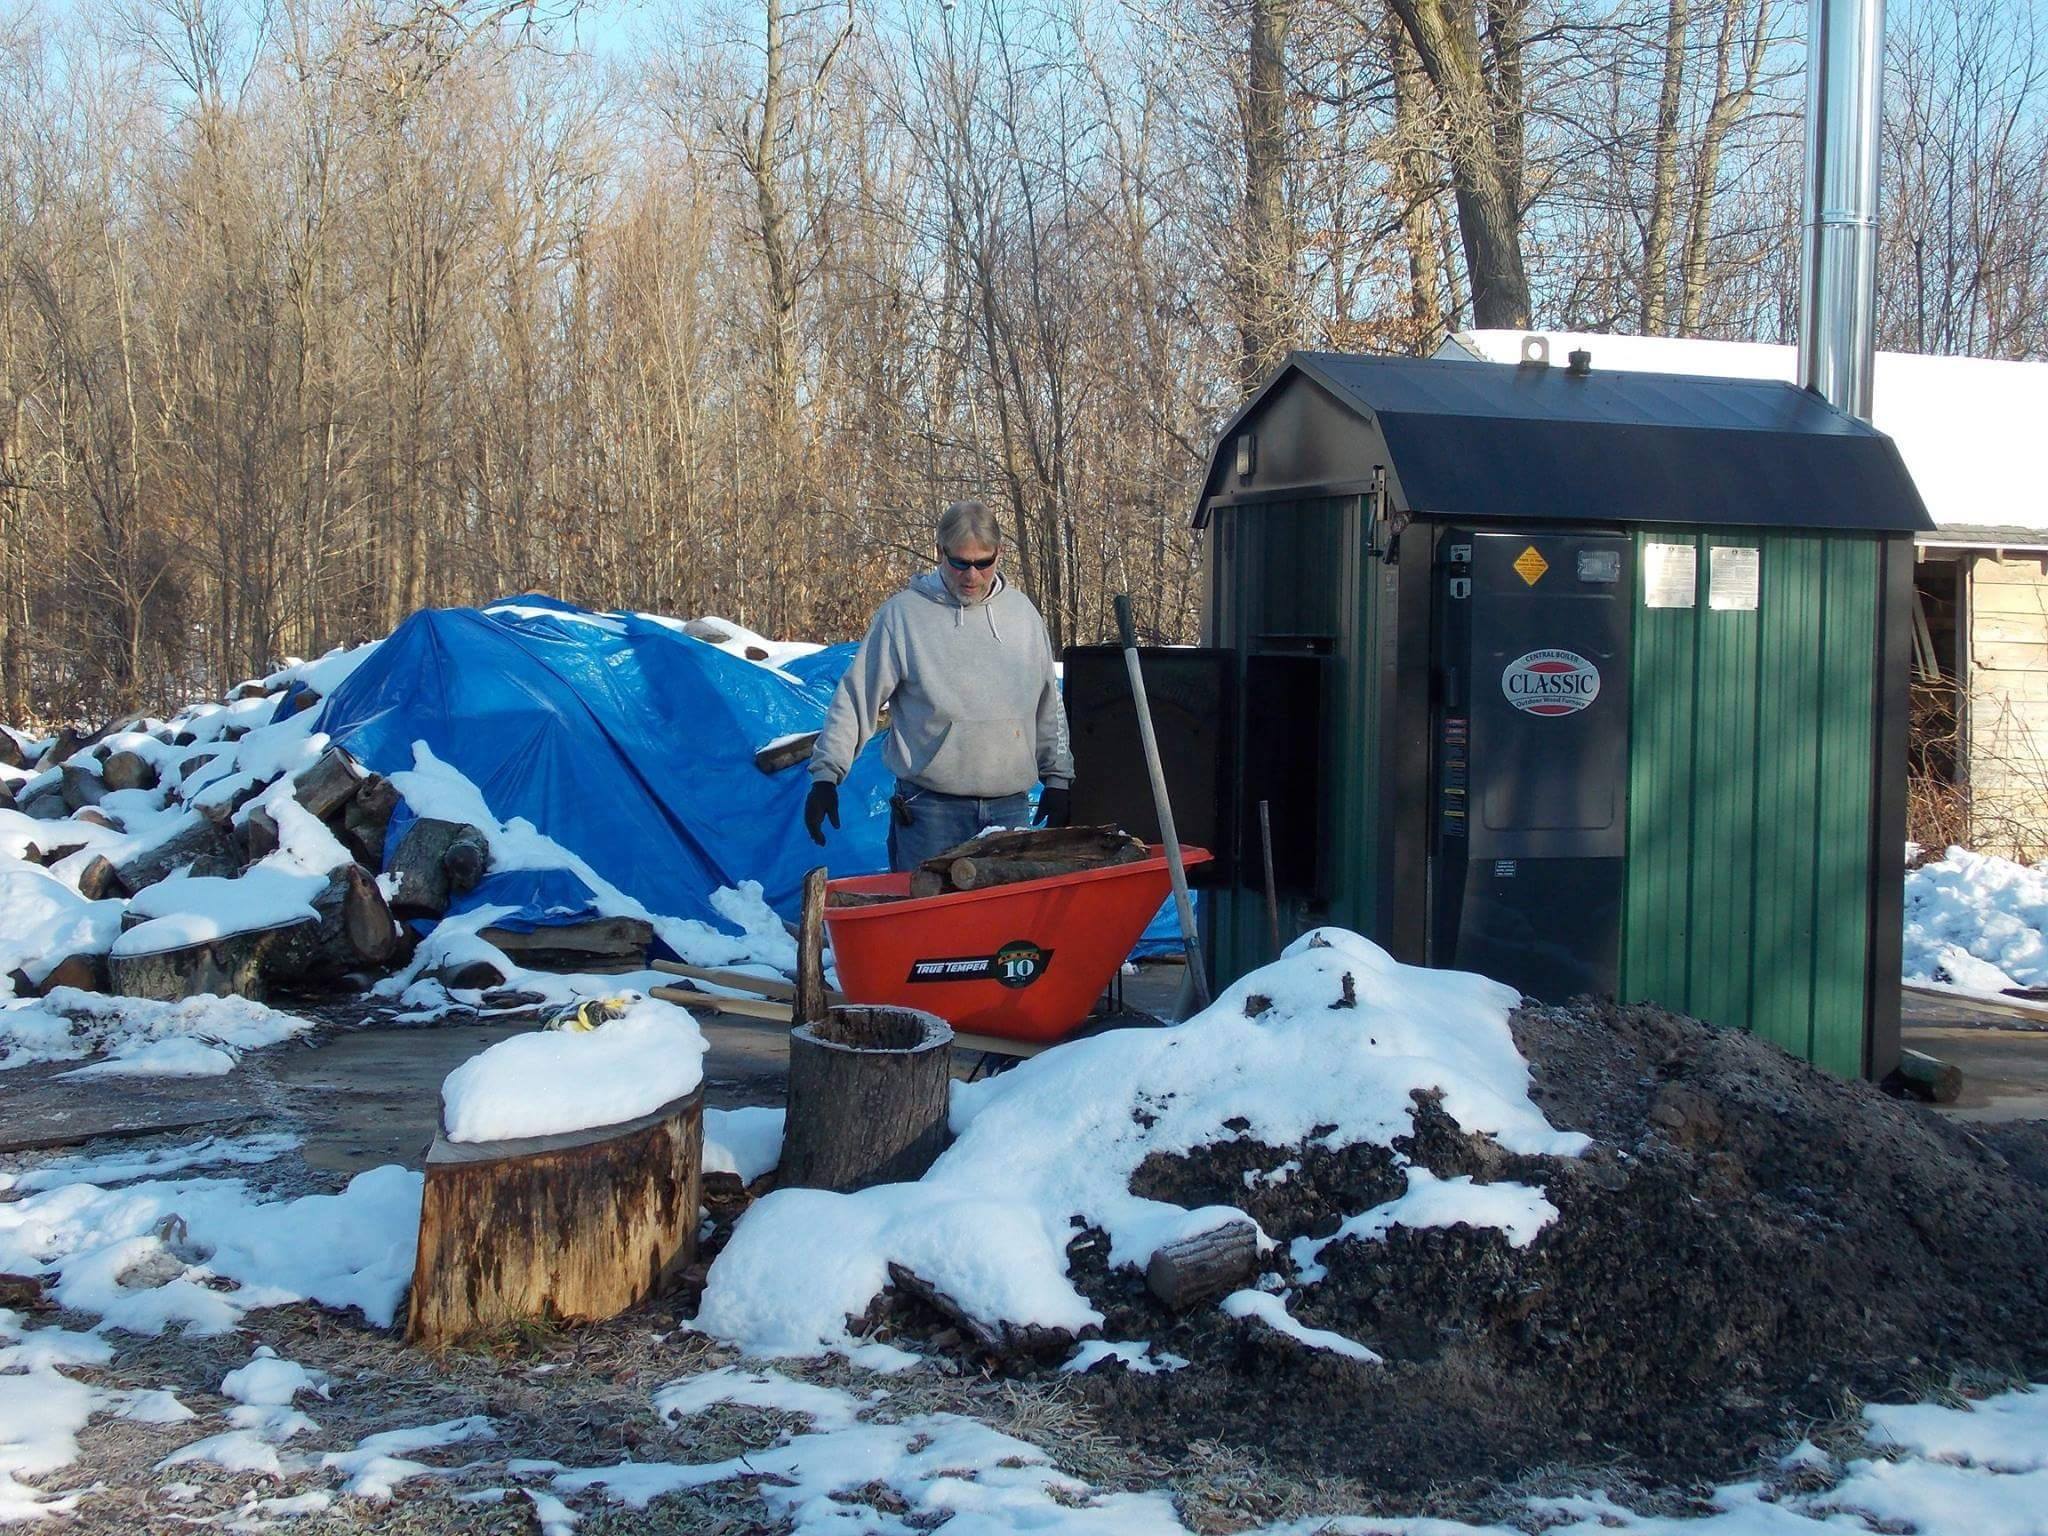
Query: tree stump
[575, 1227]
[867, 1097]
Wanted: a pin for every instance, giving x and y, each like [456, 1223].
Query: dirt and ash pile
[1750, 1246]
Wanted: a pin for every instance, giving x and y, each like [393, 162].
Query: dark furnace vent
[1592, 682]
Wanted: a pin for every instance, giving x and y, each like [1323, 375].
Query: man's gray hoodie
[974, 706]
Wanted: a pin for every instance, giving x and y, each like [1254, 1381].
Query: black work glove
[822, 801]
[1055, 806]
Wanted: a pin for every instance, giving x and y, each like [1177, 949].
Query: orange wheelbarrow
[1013, 968]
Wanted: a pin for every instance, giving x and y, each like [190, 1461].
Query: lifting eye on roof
[1536, 351]
[1582, 363]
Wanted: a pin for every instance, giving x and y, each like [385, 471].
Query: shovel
[1198, 976]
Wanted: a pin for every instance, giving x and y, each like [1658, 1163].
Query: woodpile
[353, 932]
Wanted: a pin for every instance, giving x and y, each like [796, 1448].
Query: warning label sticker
[1550, 683]
[1530, 566]
[1017, 964]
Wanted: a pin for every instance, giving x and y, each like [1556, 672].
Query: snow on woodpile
[552, 1082]
[1976, 922]
[234, 849]
[1325, 1047]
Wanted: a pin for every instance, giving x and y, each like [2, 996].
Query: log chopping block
[867, 1097]
[576, 1227]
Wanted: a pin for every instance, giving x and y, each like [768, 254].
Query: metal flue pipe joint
[1838, 274]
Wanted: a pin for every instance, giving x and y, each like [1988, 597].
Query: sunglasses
[970, 565]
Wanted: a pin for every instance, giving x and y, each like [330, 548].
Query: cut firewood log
[260, 835]
[93, 816]
[81, 786]
[1929, 1078]
[98, 880]
[46, 804]
[867, 1097]
[576, 1227]
[708, 632]
[52, 850]
[128, 770]
[88, 973]
[786, 754]
[1192, 1270]
[779, 755]
[430, 862]
[66, 742]
[355, 931]
[1008, 1341]
[7, 801]
[229, 966]
[199, 839]
[980, 874]
[860, 899]
[1038, 853]
[606, 941]
[326, 787]
[11, 755]
[366, 819]
[809, 997]
[1039, 843]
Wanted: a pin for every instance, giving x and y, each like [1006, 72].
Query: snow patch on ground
[1976, 922]
[140, 1257]
[944, 1468]
[140, 1035]
[555, 1081]
[1272, 1311]
[1342, 1037]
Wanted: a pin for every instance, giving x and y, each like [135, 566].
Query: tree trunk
[1664, 174]
[1483, 119]
[576, 1227]
[867, 1098]
[1263, 325]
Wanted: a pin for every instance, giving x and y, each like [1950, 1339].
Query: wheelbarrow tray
[1016, 962]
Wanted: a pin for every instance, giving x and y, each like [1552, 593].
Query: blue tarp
[623, 739]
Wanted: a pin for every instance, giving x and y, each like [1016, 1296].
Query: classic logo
[1017, 964]
[1550, 682]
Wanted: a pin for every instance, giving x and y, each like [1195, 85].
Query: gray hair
[968, 522]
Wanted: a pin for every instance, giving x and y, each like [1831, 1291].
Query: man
[962, 661]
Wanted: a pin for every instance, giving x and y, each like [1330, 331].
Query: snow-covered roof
[1969, 429]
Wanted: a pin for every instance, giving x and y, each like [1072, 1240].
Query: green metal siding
[1303, 568]
[1751, 798]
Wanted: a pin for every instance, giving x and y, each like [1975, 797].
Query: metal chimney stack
[1838, 276]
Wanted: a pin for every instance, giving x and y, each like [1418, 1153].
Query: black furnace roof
[1498, 441]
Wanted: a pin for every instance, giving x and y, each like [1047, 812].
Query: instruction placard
[1732, 577]
[1671, 576]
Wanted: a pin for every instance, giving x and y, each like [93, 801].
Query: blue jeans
[939, 822]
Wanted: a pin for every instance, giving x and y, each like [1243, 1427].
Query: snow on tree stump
[576, 1227]
[867, 1097]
